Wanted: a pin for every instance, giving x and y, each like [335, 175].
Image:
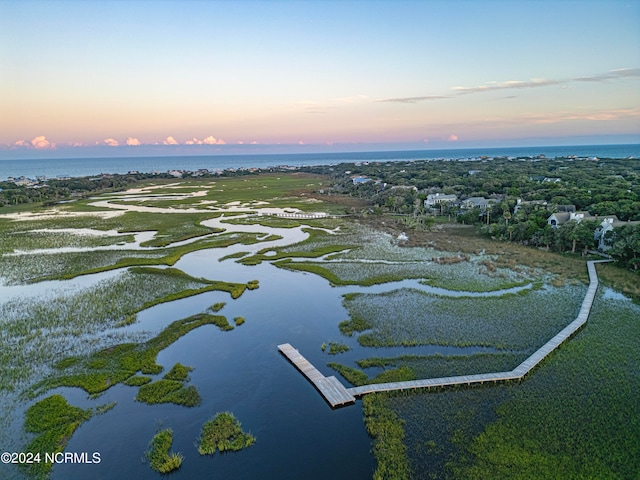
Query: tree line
[538, 187]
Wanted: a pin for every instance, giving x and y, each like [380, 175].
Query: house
[360, 179]
[434, 199]
[551, 180]
[536, 204]
[404, 187]
[560, 218]
[608, 223]
[477, 202]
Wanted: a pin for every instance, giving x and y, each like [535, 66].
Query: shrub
[159, 457]
[223, 432]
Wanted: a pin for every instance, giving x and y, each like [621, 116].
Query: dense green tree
[625, 245]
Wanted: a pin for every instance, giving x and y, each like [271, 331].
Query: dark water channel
[298, 434]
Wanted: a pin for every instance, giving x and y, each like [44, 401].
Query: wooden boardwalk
[329, 387]
[517, 373]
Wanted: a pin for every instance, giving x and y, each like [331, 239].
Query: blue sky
[419, 74]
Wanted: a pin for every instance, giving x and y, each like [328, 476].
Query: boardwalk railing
[517, 373]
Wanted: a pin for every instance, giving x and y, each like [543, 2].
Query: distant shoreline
[86, 167]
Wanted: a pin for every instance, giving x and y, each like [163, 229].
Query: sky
[216, 76]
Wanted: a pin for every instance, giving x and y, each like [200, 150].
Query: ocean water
[81, 167]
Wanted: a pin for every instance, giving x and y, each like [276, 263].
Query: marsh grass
[282, 254]
[266, 221]
[233, 256]
[68, 266]
[137, 380]
[352, 375]
[178, 372]
[368, 257]
[436, 366]
[53, 421]
[100, 371]
[621, 280]
[158, 454]
[216, 307]
[386, 429]
[355, 324]
[278, 189]
[335, 348]
[411, 317]
[29, 239]
[36, 334]
[577, 416]
[357, 377]
[223, 433]
[169, 391]
[574, 417]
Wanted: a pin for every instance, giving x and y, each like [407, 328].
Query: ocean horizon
[84, 167]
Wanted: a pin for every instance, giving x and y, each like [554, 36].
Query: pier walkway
[329, 387]
[517, 373]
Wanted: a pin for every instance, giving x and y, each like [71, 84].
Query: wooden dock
[330, 388]
[343, 396]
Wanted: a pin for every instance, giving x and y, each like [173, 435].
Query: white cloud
[111, 142]
[76, 144]
[452, 138]
[21, 143]
[508, 85]
[619, 74]
[211, 140]
[170, 141]
[41, 142]
[413, 99]
[133, 141]
[193, 141]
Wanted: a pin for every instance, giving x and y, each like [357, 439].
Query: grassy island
[53, 421]
[223, 433]
[158, 454]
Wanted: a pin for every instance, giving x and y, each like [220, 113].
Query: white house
[434, 199]
[608, 224]
[478, 202]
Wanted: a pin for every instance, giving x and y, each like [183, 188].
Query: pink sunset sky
[207, 76]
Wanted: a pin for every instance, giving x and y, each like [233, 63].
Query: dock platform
[330, 388]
